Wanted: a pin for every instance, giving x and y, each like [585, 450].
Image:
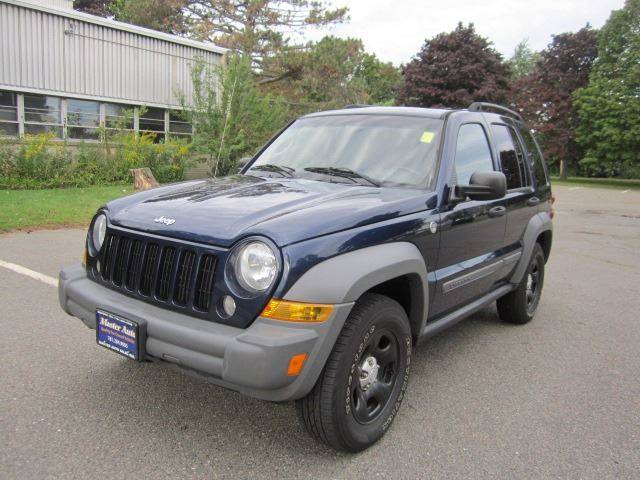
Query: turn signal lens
[295, 364]
[85, 257]
[296, 311]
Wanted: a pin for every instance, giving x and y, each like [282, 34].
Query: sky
[395, 30]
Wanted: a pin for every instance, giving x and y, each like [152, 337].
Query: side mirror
[483, 186]
[243, 162]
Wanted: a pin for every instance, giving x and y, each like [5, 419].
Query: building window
[8, 114]
[152, 121]
[83, 119]
[178, 126]
[118, 117]
[42, 114]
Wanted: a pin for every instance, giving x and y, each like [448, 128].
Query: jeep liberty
[311, 275]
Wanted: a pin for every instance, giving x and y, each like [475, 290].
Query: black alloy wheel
[520, 305]
[359, 392]
[377, 375]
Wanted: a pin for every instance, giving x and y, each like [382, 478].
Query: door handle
[497, 211]
[533, 201]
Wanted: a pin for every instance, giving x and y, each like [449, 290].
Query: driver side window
[472, 153]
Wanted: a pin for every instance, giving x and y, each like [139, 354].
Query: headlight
[99, 231]
[255, 266]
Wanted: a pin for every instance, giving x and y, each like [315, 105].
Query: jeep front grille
[168, 274]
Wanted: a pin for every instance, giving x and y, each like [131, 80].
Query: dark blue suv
[310, 276]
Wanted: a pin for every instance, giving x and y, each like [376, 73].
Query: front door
[472, 231]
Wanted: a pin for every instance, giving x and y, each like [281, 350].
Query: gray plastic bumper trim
[253, 361]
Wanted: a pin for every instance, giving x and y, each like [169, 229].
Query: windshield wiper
[344, 173]
[270, 167]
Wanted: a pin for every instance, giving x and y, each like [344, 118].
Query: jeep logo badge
[165, 220]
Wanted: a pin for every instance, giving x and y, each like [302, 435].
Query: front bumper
[253, 361]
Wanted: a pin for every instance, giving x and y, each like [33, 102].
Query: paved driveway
[559, 397]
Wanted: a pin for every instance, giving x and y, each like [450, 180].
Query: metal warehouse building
[68, 73]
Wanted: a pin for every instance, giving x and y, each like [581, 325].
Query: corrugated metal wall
[41, 50]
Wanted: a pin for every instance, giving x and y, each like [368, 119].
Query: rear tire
[520, 305]
[362, 385]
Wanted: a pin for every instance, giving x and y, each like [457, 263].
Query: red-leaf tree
[544, 96]
[453, 70]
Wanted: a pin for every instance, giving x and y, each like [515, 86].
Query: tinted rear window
[535, 157]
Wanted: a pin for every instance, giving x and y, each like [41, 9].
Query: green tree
[162, 15]
[382, 80]
[609, 107]
[100, 8]
[523, 60]
[330, 73]
[453, 70]
[544, 96]
[231, 118]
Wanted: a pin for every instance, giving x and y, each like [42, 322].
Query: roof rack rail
[485, 106]
[356, 105]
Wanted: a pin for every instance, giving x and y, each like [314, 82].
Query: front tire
[362, 385]
[520, 305]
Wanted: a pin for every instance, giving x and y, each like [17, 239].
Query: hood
[286, 210]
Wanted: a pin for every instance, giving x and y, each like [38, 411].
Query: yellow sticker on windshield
[427, 137]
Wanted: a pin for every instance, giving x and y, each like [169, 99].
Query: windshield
[387, 150]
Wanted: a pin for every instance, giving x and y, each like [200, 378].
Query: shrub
[39, 162]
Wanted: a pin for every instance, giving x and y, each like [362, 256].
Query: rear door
[537, 168]
[521, 201]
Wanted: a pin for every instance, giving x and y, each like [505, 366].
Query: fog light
[228, 305]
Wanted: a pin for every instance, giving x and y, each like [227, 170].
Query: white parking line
[30, 273]
[625, 191]
[575, 188]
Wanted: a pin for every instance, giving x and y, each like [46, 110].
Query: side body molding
[539, 223]
[346, 277]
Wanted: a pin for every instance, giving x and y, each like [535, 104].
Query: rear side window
[537, 163]
[472, 153]
[535, 157]
[511, 155]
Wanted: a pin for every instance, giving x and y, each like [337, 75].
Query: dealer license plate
[118, 334]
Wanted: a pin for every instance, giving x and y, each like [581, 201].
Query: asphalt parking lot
[559, 397]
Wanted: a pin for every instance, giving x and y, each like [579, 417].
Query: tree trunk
[563, 169]
[143, 179]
